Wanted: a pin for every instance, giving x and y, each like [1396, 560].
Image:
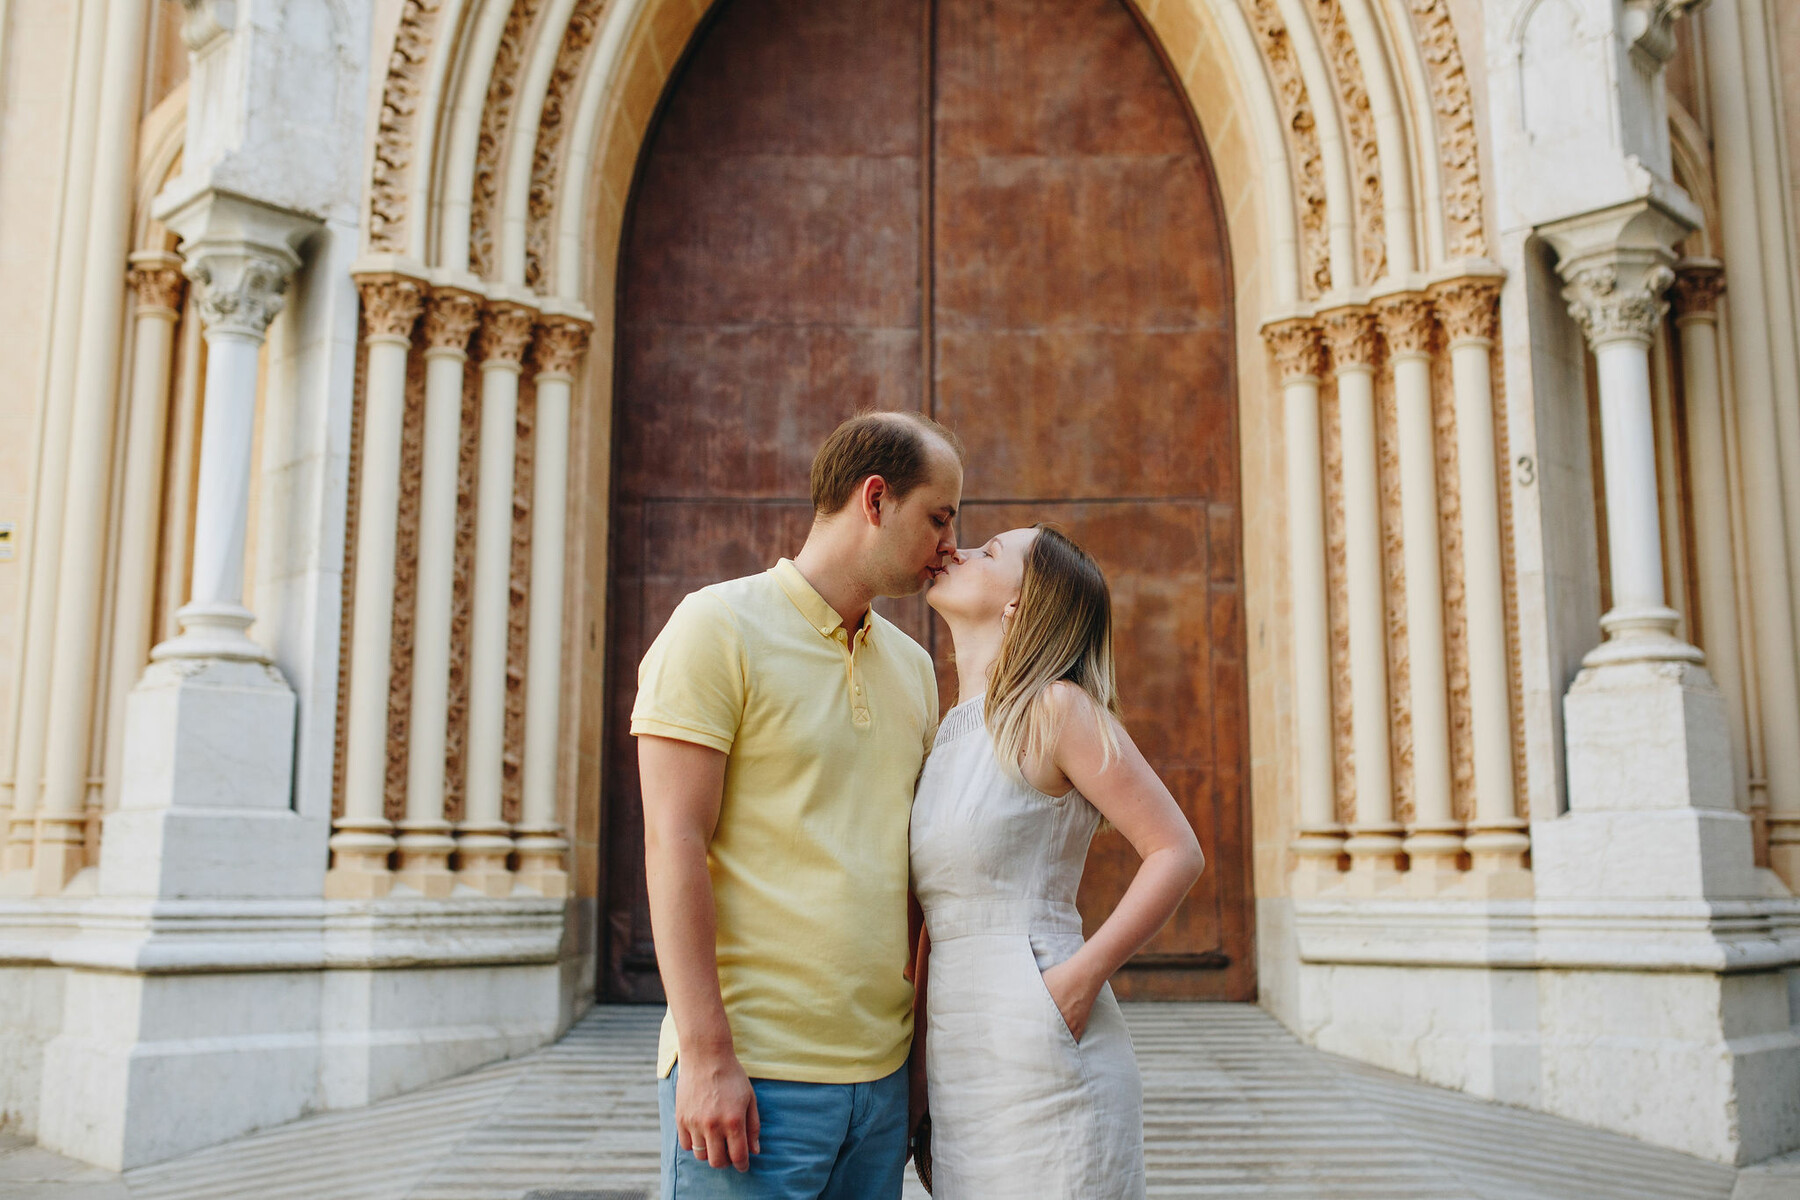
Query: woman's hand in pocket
[1074, 991]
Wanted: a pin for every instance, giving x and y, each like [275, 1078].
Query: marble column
[484, 839]
[425, 842]
[1434, 838]
[1651, 811]
[561, 340]
[1374, 844]
[1468, 310]
[205, 809]
[1299, 365]
[362, 837]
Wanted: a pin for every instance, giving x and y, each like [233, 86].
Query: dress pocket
[1043, 990]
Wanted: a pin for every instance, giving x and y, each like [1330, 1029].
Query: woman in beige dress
[1030, 1080]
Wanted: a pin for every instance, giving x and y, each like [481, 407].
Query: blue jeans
[820, 1141]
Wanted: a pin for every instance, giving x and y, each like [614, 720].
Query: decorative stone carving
[1406, 323]
[506, 330]
[1450, 559]
[561, 341]
[1350, 332]
[1454, 107]
[157, 282]
[240, 287]
[1698, 286]
[1359, 121]
[1649, 26]
[394, 141]
[546, 158]
[1299, 354]
[462, 604]
[518, 604]
[391, 306]
[1469, 309]
[1393, 594]
[1303, 145]
[1343, 733]
[496, 122]
[450, 318]
[1614, 302]
[406, 591]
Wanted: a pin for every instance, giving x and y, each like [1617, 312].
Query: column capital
[391, 303]
[1350, 332]
[1469, 309]
[1620, 300]
[1299, 353]
[156, 280]
[1616, 262]
[561, 341]
[506, 328]
[451, 316]
[1699, 282]
[239, 253]
[1407, 323]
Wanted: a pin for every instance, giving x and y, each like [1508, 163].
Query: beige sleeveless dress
[1018, 1107]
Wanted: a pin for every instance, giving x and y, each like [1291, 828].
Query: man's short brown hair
[893, 445]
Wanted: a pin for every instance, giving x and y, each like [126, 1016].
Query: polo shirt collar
[820, 615]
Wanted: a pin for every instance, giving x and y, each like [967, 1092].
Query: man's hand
[715, 1112]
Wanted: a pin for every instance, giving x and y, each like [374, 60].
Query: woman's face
[979, 583]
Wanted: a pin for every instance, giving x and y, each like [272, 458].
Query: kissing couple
[864, 917]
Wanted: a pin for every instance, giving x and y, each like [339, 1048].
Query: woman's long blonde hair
[1061, 630]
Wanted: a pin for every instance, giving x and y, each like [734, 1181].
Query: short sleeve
[691, 682]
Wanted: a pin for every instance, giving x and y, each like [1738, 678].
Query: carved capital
[561, 341]
[1698, 286]
[1350, 332]
[1469, 309]
[1649, 26]
[506, 332]
[391, 305]
[1299, 354]
[156, 280]
[239, 288]
[1407, 323]
[1619, 300]
[450, 318]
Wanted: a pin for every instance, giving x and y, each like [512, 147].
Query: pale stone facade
[301, 731]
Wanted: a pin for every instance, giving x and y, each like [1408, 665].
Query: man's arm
[683, 787]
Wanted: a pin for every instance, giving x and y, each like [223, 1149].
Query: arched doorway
[995, 211]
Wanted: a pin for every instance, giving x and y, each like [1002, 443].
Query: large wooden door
[994, 211]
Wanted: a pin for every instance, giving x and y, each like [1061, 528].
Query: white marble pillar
[1374, 844]
[362, 837]
[425, 843]
[561, 340]
[1651, 812]
[157, 281]
[484, 839]
[1468, 310]
[1434, 837]
[1299, 365]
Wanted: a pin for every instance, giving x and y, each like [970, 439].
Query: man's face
[917, 535]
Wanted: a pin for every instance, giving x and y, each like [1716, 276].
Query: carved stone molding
[1303, 145]
[1618, 301]
[394, 139]
[1343, 734]
[1350, 332]
[391, 306]
[1649, 26]
[561, 341]
[1359, 122]
[1393, 597]
[496, 125]
[1407, 323]
[239, 288]
[506, 329]
[1299, 352]
[450, 318]
[1457, 145]
[546, 158]
[156, 280]
[1698, 285]
[1469, 309]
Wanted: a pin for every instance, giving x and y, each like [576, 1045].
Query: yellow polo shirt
[825, 734]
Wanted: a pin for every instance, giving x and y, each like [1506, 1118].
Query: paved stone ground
[1235, 1107]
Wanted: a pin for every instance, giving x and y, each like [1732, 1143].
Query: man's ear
[871, 496]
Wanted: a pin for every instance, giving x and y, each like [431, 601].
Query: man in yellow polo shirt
[781, 725]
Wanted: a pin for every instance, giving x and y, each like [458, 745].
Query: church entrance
[998, 212]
